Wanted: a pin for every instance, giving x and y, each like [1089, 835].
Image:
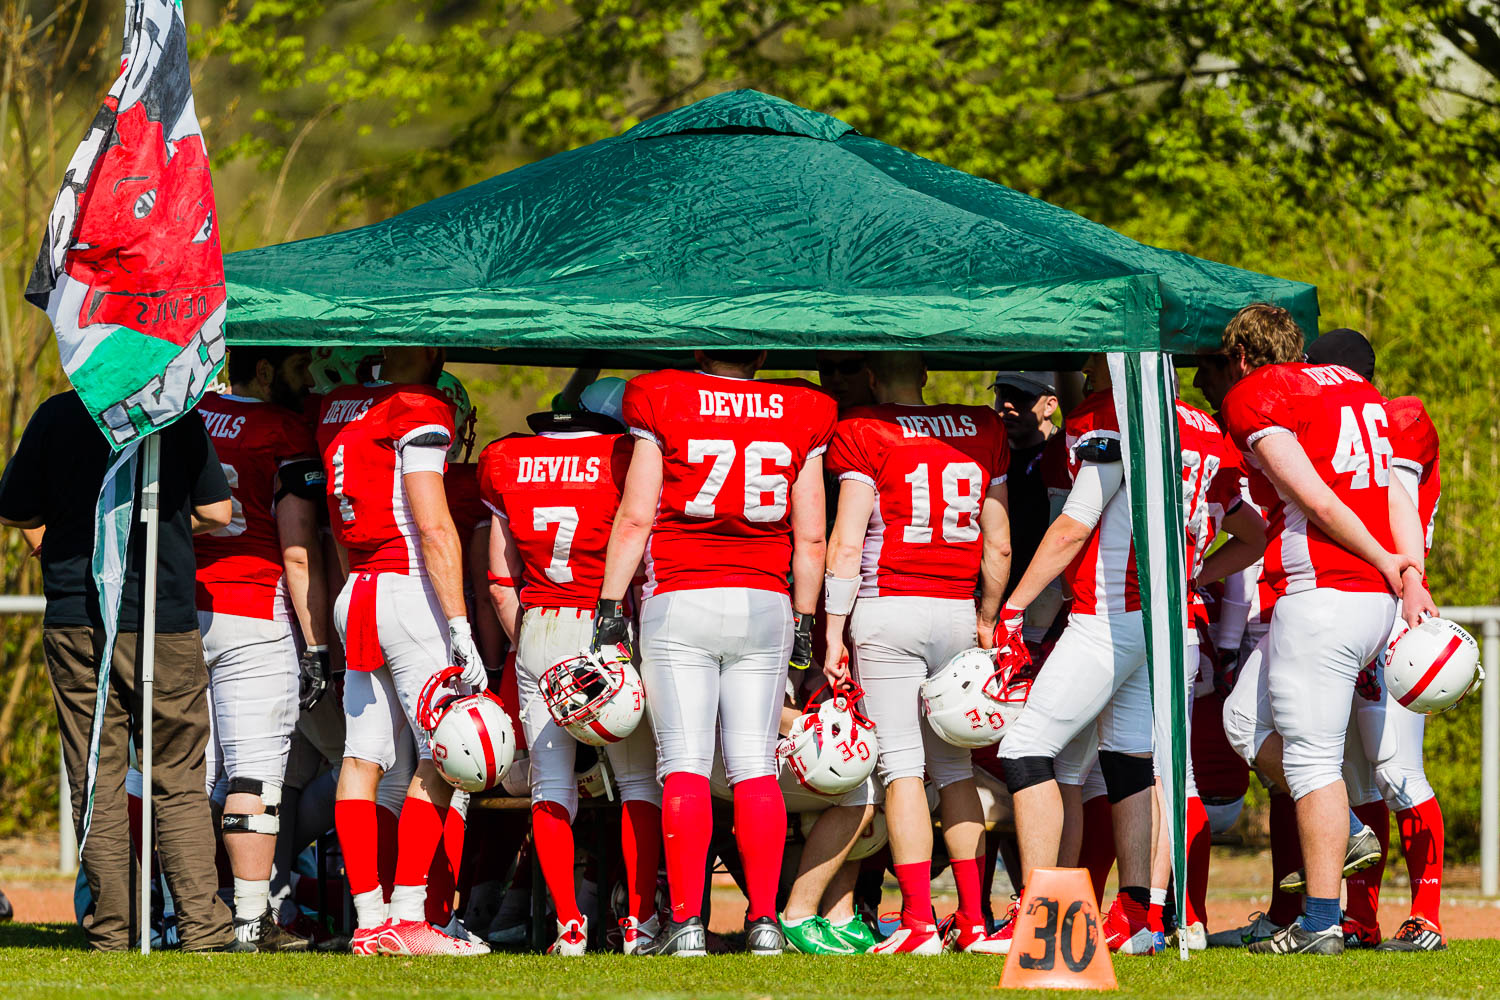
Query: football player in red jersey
[553, 497]
[921, 521]
[724, 501]
[401, 617]
[260, 587]
[1346, 542]
[1383, 767]
[1096, 672]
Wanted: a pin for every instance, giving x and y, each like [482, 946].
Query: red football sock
[417, 838]
[1154, 918]
[1363, 905]
[640, 841]
[552, 835]
[1421, 829]
[966, 874]
[760, 831]
[1199, 842]
[1098, 851]
[442, 877]
[355, 822]
[1286, 857]
[1137, 913]
[386, 824]
[915, 880]
[687, 828]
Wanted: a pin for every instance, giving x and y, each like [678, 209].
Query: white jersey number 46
[1353, 454]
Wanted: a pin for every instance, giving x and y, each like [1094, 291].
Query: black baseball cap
[1344, 347]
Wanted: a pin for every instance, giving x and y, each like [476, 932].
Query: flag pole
[150, 516]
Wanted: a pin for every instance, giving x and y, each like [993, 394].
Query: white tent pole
[150, 516]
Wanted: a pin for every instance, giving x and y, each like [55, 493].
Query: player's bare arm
[633, 520]
[994, 562]
[439, 539]
[205, 517]
[841, 580]
[1247, 541]
[1410, 541]
[504, 570]
[1288, 468]
[302, 555]
[809, 551]
[488, 631]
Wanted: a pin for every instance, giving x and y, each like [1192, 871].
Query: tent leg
[150, 516]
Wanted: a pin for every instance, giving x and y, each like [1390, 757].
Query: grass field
[41, 962]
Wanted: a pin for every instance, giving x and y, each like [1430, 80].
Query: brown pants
[184, 838]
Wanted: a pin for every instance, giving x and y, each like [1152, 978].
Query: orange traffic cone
[1058, 942]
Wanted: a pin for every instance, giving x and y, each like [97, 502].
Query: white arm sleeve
[1234, 609]
[1093, 488]
[424, 458]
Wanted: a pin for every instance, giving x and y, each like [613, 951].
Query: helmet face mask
[831, 749]
[598, 698]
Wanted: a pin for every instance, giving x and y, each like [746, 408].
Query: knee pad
[1125, 775]
[1023, 772]
[268, 822]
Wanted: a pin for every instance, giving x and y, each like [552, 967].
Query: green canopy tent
[744, 221]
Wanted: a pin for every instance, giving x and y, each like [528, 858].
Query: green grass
[46, 962]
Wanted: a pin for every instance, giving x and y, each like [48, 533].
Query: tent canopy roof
[741, 221]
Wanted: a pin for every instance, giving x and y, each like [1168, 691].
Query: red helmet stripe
[484, 741]
[1427, 678]
[604, 734]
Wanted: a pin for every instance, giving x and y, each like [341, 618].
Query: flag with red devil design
[130, 271]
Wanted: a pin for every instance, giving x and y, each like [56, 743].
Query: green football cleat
[814, 936]
[856, 934]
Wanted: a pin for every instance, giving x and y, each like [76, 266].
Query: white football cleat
[456, 929]
[572, 938]
[636, 935]
[1196, 936]
[911, 941]
[418, 937]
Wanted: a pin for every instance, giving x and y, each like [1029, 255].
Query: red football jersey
[1210, 480]
[731, 449]
[1414, 441]
[1341, 423]
[239, 565]
[929, 467]
[558, 491]
[362, 434]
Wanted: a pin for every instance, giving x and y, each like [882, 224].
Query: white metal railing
[1485, 619]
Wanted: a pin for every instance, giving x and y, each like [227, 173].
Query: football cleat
[1358, 937]
[1258, 929]
[1294, 939]
[1416, 934]
[269, 936]
[911, 941]
[1363, 851]
[973, 939]
[1007, 928]
[418, 937]
[815, 936]
[681, 938]
[855, 933]
[1126, 936]
[763, 936]
[456, 929]
[366, 940]
[636, 935]
[572, 938]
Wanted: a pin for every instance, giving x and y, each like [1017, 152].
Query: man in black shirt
[53, 482]
[1026, 402]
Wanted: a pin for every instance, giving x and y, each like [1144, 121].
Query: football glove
[314, 676]
[611, 627]
[466, 654]
[1226, 670]
[801, 640]
[1008, 629]
[1367, 684]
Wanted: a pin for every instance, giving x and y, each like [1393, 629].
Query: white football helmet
[971, 700]
[1432, 667]
[473, 742]
[871, 838]
[831, 749]
[596, 696]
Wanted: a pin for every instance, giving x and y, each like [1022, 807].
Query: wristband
[839, 593]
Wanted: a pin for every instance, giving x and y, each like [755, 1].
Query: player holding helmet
[401, 617]
[259, 578]
[921, 520]
[553, 498]
[724, 500]
[1345, 543]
